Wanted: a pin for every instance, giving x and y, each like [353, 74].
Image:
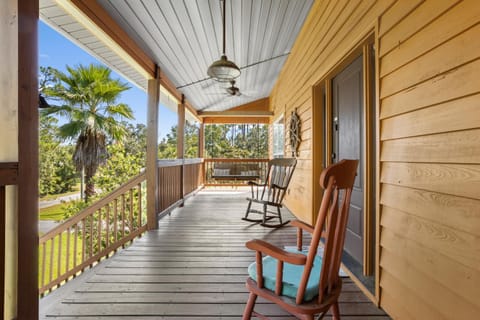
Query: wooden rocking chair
[271, 192]
[305, 284]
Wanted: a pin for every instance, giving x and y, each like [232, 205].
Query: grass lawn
[76, 189]
[52, 213]
[52, 266]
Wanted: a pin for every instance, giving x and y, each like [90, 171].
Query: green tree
[217, 143]
[56, 173]
[127, 159]
[236, 141]
[191, 140]
[89, 97]
[167, 148]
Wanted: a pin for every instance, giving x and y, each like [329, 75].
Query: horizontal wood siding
[328, 34]
[430, 161]
[429, 142]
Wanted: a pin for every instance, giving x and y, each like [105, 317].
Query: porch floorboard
[193, 267]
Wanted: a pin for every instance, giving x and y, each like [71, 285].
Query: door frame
[322, 147]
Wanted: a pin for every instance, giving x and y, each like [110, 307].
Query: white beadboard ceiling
[185, 36]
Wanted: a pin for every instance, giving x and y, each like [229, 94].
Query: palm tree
[89, 96]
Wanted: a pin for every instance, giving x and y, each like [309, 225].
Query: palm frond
[119, 111]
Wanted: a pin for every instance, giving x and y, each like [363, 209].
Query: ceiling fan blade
[241, 68]
[194, 82]
[263, 61]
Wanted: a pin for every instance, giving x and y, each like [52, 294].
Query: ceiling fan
[232, 90]
[241, 68]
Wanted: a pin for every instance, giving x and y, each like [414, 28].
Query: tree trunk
[89, 187]
[82, 184]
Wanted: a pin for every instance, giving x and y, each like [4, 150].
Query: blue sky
[57, 51]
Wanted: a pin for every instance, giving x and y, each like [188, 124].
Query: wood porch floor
[193, 267]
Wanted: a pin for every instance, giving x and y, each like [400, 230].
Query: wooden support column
[181, 129]
[27, 279]
[153, 92]
[201, 141]
[181, 140]
[201, 150]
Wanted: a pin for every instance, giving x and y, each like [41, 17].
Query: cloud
[44, 55]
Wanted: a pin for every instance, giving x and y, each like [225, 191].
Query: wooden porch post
[181, 141]
[201, 150]
[201, 140]
[153, 92]
[27, 277]
[181, 129]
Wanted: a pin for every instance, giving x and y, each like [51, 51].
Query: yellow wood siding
[429, 140]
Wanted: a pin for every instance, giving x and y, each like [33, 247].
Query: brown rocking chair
[305, 284]
[271, 192]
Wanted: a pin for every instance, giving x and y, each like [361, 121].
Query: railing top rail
[177, 162]
[97, 205]
[169, 162]
[236, 160]
[8, 173]
[193, 160]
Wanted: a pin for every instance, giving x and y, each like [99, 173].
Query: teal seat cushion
[292, 275]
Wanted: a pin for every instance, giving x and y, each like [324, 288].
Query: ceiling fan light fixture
[223, 70]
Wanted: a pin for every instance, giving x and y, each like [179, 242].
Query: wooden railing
[93, 234]
[192, 175]
[176, 179]
[8, 176]
[169, 191]
[239, 171]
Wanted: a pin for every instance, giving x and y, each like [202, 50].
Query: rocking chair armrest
[253, 183]
[278, 187]
[276, 252]
[302, 225]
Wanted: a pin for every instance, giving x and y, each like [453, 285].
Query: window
[278, 138]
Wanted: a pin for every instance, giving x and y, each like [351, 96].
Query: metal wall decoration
[294, 132]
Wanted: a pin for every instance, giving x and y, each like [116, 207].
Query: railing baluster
[51, 259]
[107, 221]
[115, 219]
[59, 255]
[75, 238]
[90, 254]
[84, 238]
[139, 223]
[123, 215]
[67, 253]
[131, 211]
[44, 256]
[99, 231]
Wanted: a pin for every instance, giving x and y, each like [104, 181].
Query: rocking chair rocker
[271, 192]
[305, 284]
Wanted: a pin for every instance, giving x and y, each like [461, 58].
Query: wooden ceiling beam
[256, 109]
[257, 105]
[230, 113]
[223, 120]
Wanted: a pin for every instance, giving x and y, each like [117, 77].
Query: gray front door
[348, 128]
